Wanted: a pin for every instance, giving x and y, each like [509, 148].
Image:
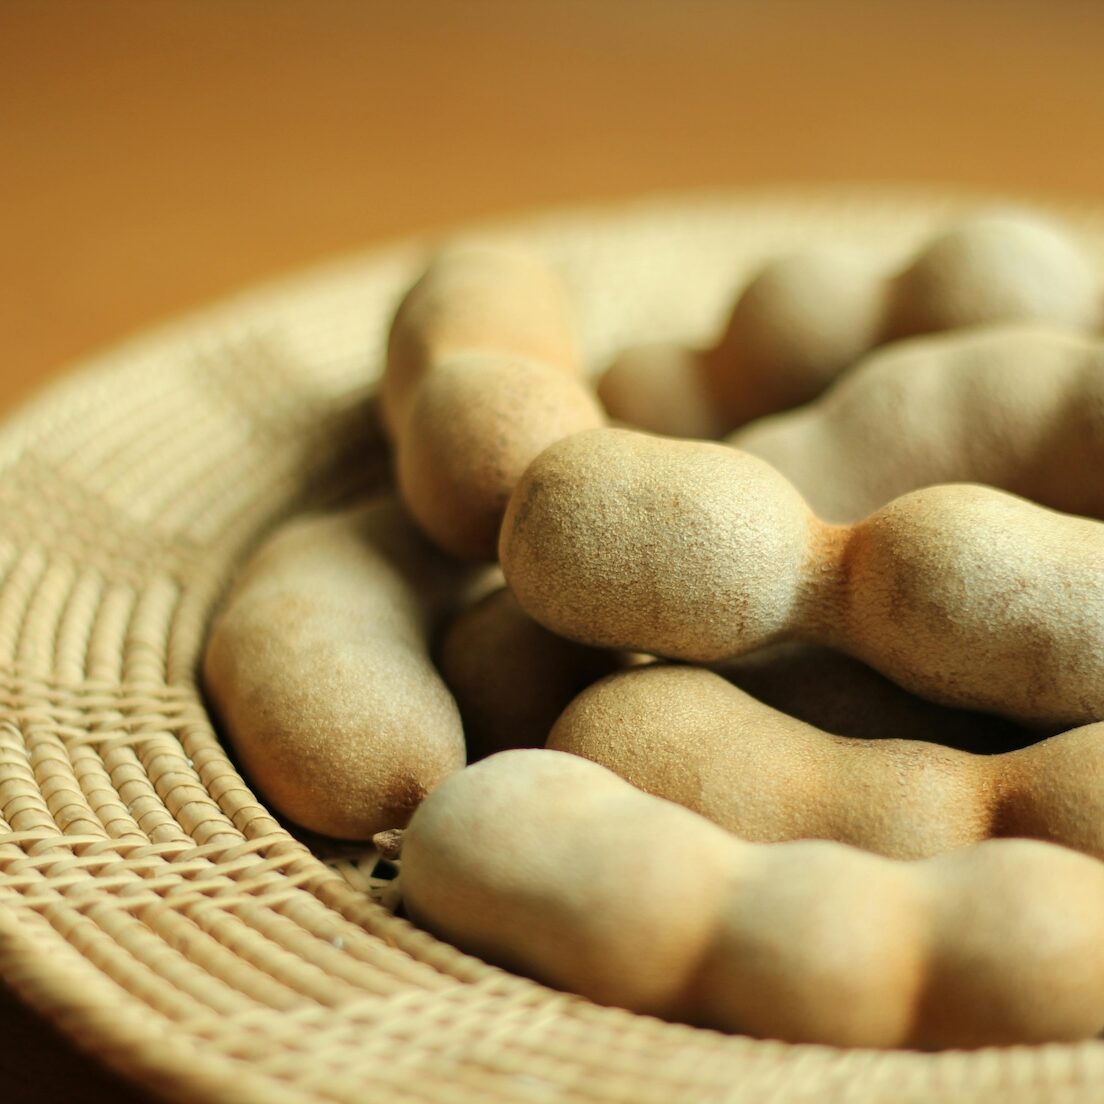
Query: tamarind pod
[510, 676]
[475, 298]
[474, 424]
[552, 866]
[318, 667]
[481, 375]
[1013, 407]
[688, 735]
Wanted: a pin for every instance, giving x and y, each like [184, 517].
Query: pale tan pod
[963, 594]
[548, 864]
[320, 671]
[1016, 407]
[661, 388]
[804, 319]
[488, 865]
[511, 677]
[973, 597]
[481, 374]
[797, 325]
[616, 538]
[1012, 922]
[1010, 265]
[475, 298]
[687, 735]
[474, 424]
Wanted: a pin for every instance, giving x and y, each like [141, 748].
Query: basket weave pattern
[149, 903]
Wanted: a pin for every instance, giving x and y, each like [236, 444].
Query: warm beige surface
[156, 154]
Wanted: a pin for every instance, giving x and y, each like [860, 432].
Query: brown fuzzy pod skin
[688, 735]
[319, 669]
[996, 268]
[659, 387]
[475, 298]
[511, 677]
[481, 375]
[474, 425]
[1014, 407]
[799, 322]
[804, 319]
[546, 864]
[691, 550]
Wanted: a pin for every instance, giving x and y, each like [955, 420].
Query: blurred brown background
[158, 153]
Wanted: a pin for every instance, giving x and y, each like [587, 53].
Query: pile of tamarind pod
[512, 679]
[805, 318]
[362, 657]
[319, 666]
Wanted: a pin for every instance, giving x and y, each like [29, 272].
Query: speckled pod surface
[692, 550]
[806, 317]
[319, 667]
[547, 864]
[686, 734]
[1013, 407]
[481, 376]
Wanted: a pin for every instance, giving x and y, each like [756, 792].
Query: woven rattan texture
[149, 904]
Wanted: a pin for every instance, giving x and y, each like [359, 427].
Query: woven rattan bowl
[149, 904]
